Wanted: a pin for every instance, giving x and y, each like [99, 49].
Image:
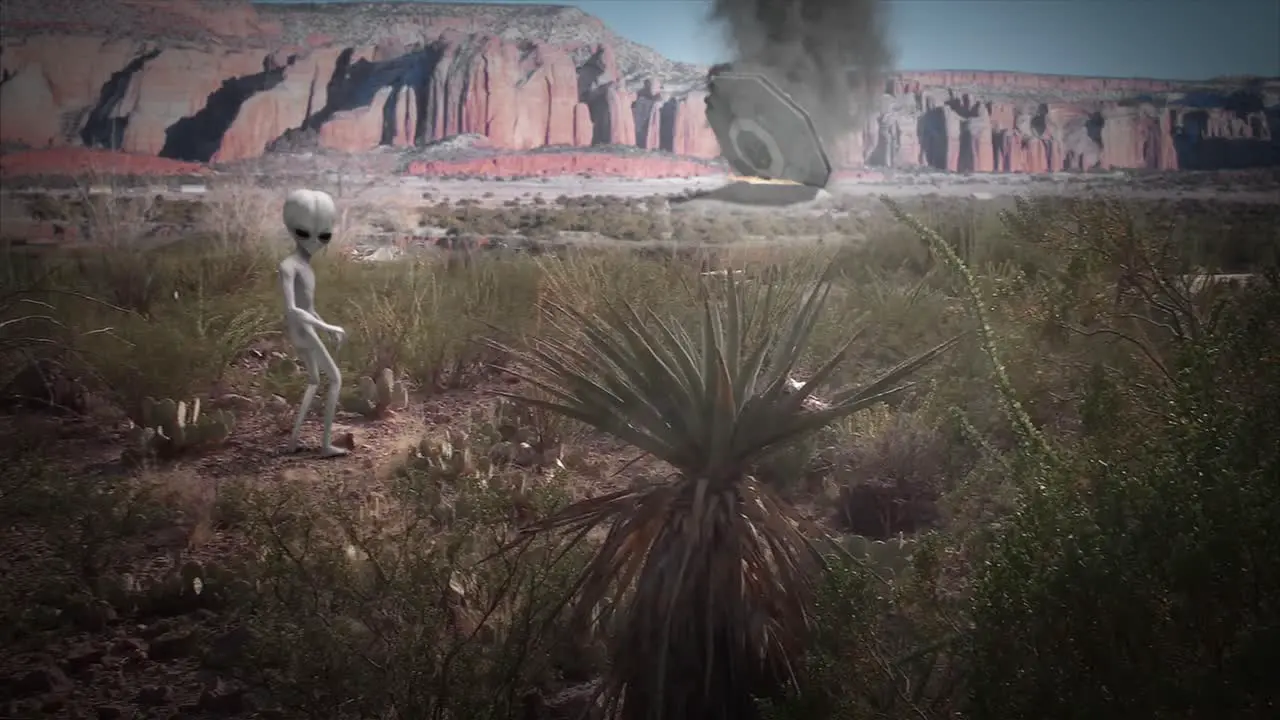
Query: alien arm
[291, 303]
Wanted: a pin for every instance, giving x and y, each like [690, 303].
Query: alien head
[310, 215]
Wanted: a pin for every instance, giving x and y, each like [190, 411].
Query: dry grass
[387, 584]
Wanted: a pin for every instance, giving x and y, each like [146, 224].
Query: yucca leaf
[710, 565]
[623, 373]
[618, 428]
[898, 372]
[794, 401]
[692, 384]
[815, 420]
[661, 377]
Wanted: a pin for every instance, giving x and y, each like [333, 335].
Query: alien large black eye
[325, 237]
[302, 233]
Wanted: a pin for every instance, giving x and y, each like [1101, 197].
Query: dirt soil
[180, 663]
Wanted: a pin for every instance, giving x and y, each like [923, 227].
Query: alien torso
[304, 286]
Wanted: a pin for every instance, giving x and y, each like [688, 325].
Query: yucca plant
[703, 584]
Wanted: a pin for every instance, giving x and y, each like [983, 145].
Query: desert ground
[385, 210]
[983, 434]
[1002, 507]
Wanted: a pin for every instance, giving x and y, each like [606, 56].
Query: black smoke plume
[831, 56]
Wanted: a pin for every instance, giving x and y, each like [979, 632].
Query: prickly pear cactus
[891, 559]
[515, 436]
[167, 428]
[506, 421]
[375, 396]
[448, 458]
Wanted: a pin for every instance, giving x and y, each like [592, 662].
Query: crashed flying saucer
[763, 132]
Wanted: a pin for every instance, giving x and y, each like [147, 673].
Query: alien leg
[334, 375]
[309, 355]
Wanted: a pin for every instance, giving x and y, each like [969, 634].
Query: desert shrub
[418, 602]
[1145, 585]
[1222, 235]
[127, 324]
[81, 527]
[1137, 581]
[424, 319]
[128, 317]
[179, 348]
[33, 349]
[891, 473]
[894, 312]
[588, 281]
[883, 647]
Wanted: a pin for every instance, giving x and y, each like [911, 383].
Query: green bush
[1145, 581]
[885, 643]
[1139, 578]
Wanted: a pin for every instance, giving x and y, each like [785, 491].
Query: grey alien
[310, 216]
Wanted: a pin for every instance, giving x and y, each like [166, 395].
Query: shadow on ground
[757, 195]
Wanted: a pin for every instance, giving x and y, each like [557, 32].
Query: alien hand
[339, 335]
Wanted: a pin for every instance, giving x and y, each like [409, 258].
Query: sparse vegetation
[605, 494]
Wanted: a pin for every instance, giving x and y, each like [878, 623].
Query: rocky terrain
[219, 82]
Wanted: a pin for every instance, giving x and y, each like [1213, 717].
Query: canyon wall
[211, 82]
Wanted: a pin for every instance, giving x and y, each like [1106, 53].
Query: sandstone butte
[205, 81]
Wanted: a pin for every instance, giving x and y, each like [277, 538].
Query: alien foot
[329, 451]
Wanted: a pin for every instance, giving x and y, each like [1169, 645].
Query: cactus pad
[170, 428]
[375, 396]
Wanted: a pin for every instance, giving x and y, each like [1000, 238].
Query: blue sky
[1178, 39]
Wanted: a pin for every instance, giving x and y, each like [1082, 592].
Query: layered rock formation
[224, 81]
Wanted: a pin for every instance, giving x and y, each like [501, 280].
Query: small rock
[82, 661]
[346, 440]
[172, 646]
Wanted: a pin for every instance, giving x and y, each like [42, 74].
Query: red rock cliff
[222, 81]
